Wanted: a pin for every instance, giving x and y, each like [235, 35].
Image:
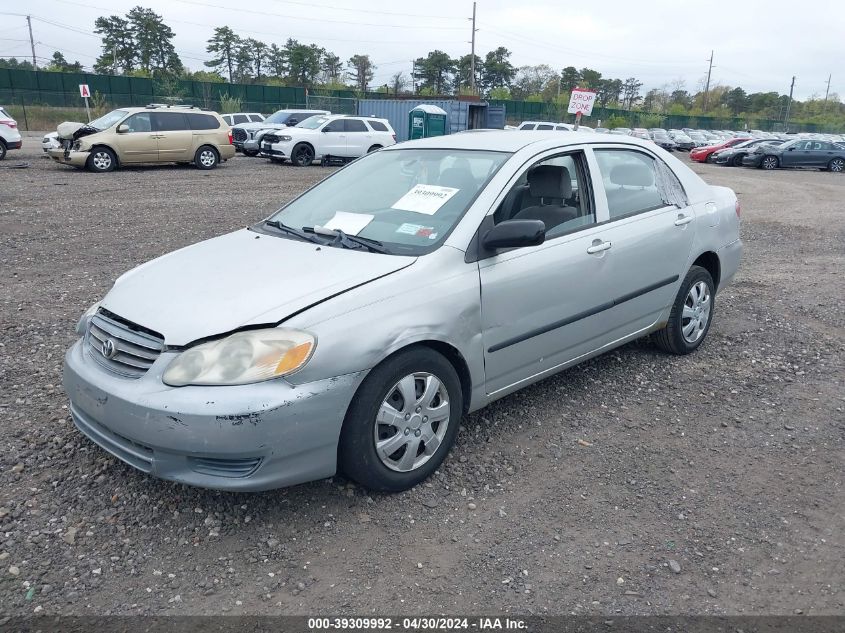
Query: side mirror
[122, 128]
[514, 233]
[791, 148]
[326, 129]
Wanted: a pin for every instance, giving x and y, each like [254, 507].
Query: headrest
[457, 178]
[549, 181]
[632, 175]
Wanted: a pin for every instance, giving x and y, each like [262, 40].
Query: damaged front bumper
[72, 157]
[242, 438]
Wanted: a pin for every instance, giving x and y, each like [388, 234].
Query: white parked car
[545, 125]
[50, 141]
[247, 136]
[10, 137]
[321, 137]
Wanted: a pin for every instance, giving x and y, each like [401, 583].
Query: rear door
[648, 235]
[175, 137]
[140, 143]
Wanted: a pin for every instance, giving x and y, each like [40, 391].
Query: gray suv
[247, 136]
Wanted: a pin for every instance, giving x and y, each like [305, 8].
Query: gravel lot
[637, 483]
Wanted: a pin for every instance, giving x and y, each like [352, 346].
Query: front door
[175, 137]
[333, 139]
[798, 154]
[139, 144]
[541, 306]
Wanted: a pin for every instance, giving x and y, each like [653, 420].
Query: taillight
[738, 207]
[12, 124]
[230, 137]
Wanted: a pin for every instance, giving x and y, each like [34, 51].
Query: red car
[703, 154]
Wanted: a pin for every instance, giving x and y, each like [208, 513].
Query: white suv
[10, 138]
[325, 137]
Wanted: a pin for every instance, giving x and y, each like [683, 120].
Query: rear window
[240, 118]
[169, 121]
[378, 126]
[203, 122]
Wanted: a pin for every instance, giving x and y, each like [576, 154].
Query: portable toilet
[426, 120]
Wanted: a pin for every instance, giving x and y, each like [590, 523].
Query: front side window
[526, 126]
[169, 121]
[552, 190]
[635, 182]
[408, 199]
[256, 118]
[139, 122]
[240, 118]
[545, 126]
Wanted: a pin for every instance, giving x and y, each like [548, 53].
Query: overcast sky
[758, 45]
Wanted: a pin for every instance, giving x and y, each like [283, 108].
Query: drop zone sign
[581, 102]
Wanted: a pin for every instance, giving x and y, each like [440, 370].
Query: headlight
[285, 138]
[242, 358]
[82, 324]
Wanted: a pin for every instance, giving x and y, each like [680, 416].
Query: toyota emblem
[109, 349]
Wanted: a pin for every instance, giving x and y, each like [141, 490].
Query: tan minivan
[153, 134]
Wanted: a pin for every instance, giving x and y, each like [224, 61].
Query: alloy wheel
[837, 165]
[696, 313]
[208, 158]
[412, 421]
[770, 162]
[101, 161]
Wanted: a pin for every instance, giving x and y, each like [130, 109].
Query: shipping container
[462, 115]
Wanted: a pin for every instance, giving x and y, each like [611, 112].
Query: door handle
[683, 219]
[598, 248]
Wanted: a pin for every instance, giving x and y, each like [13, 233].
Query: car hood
[255, 125]
[236, 280]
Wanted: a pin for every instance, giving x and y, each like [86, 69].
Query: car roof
[515, 140]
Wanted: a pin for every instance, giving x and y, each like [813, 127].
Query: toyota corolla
[352, 329]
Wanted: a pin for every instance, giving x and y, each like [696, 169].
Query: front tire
[302, 155]
[101, 160]
[206, 158]
[837, 165]
[737, 160]
[402, 421]
[769, 162]
[691, 315]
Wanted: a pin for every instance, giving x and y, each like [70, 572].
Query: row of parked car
[751, 148]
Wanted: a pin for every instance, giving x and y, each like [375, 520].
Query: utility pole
[31, 42]
[114, 59]
[789, 105]
[472, 52]
[826, 93]
[707, 86]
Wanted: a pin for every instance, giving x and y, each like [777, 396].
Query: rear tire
[302, 155]
[373, 148]
[412, 446]
[769, 162]
[691, 315]
[101, 160]
[206, 158]
[837, 165]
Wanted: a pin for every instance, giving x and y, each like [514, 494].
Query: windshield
[278, 117]
[408, 199]
[312, 123]
[107, 120]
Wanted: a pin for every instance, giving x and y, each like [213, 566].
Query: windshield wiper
[347, 241]
[292, 231]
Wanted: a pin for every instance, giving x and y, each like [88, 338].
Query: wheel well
[2, 142]
[209, 146]
[376, 145]
[302, 143]
[710, 262]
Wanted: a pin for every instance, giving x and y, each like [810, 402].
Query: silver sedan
[354, 328]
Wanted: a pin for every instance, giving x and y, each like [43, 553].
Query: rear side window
[169, 121]
[256, 118]
[636, 182]
[355, 125]
[203, 122]
[240, 118]
[378, 126]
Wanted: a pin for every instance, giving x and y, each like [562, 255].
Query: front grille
[224, 467]
[239, 134]
[270, 138]
[134, 350]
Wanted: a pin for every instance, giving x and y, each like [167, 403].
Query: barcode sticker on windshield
[425, 199]
[349, 223]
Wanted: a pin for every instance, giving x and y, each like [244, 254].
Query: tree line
[140, 43]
